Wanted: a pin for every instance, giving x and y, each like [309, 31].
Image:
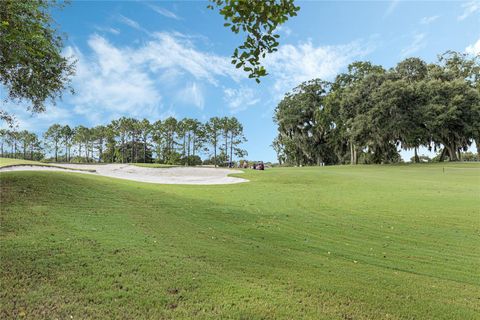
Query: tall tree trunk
[188, 147]
[352, 156]
[225, 136]
[231, 146]
[194, 141]
[477, 143]
[452, 153]
[56, 151]
[123, 148]
[215, 152]
[144, 149]
[100, 150]
[355, 155]
[184, 147]
[442, 155]
[131, 154]
[416, 159]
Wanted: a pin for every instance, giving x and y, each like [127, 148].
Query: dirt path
[175, 175]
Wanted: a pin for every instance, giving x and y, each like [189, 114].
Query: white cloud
[110, 83]
[36, 122]
[168, 51]
[293, 64]
[428, 20]
[164, 12]
[192, 94]
[417, 44]
[240, 99]
[391, 7]
[284, 30]
[109, 30]
[114, 81]
[469, 8]
[473, 49]
[131, 23]
[55, 114]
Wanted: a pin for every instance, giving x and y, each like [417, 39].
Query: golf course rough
[359, 242]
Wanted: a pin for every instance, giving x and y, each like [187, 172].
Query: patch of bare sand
[174, 175]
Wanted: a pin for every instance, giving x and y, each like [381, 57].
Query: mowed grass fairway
[4, 162]
[366, 242]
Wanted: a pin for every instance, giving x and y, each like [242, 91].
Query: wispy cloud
[240, 99]
[164, 12]
[131, 23]
[469, 8]
[473, 49]
[284, 30]
[24, 119]
[428, 20]
[192, 94]
[293, 64]
[417, 43]
[113, 81]
[391, 8]
[108, 29]
[109, 83]
[168, 52]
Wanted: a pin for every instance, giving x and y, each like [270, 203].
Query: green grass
[9, 162]
[155, 165]
[366, 242]
[6, 162]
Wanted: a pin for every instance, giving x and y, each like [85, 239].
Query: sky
[159, 59]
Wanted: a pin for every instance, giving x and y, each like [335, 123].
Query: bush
[191, 160]
[422, 159]
[470, 156]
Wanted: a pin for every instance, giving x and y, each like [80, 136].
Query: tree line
[368, 113]
[126, 140]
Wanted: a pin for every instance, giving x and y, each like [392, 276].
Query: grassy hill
[4, 162]
[366, 242]
[9, 162]
[154, 165]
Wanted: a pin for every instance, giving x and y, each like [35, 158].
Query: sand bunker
[175, 175]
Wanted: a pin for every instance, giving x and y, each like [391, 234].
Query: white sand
[174, 175]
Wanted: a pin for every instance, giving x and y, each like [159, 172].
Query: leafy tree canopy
[369, 112]
[32, 67]
[258, 20]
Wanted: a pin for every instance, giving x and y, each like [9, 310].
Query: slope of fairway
[155, 165]
[13, 162]
[366, 242]
[7, 164]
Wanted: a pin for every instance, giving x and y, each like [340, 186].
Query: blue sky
[156, 59]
